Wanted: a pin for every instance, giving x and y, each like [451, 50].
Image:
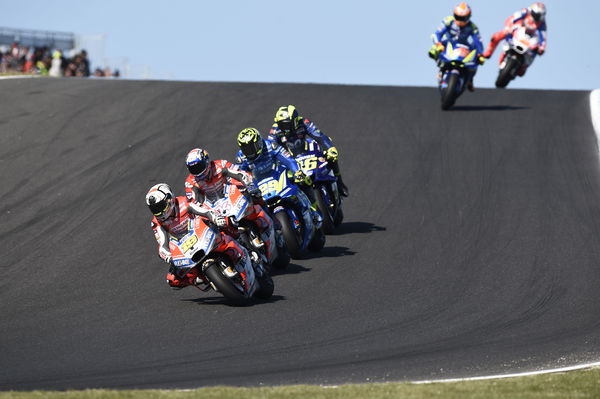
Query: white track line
[595, 110]
[524, 374]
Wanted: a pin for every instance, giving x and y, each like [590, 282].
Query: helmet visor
[286, 126]
[160, 207]
[198, 168]
[536, 16]
[251, 150]
[462, 18]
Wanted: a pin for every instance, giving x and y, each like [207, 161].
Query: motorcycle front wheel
[224, 285]
[292, 241]
[449, 95]
[507, 73]
[326, 211]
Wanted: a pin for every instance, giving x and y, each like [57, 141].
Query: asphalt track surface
[471, 244]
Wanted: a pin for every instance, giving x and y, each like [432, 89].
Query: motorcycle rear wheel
[224, 285]
[449, 95]
[318, 241]
[283, 258]
[266, 287]
[339, 217]
[326, 211]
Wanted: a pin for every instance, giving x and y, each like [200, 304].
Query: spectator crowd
[46, 62]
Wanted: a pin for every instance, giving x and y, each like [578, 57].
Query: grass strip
[574, 384]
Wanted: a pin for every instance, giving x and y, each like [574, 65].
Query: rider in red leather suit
[171, 217]
[533, 18]
[207, 179]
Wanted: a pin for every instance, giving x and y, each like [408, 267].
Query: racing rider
[533, 18]
[207, 180]
[171, 217]
[258, 155]
[289, 124]
[458, 28]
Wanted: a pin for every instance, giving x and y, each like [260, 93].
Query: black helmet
[287, 119]
[250, 143]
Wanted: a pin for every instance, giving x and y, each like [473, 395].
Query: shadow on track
[330, 252]
[219, 300]
[485, 108]
[292, 268]
[357, 227]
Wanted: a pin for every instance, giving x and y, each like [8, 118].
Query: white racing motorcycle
[518, 51]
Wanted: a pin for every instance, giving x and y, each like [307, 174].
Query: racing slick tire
[283, 258]
[224, 285]
[265, 288]
[292, 240]
[506, 74]
[449, 95]
[318, 241]
[339, 217]
[326, 212]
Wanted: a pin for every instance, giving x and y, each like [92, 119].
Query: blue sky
[381, 42]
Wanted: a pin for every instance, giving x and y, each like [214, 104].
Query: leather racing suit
[308, 128]
[520, 18]
[261, 167]
[467, 35]
[223, 172]
[177, 225]
[510, 24]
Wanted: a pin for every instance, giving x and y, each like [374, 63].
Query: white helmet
[538, 12]
[198, 163]
[160, 201]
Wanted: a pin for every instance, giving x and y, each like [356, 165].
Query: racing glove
[216, 218]
[253, 190]
[541, 51]
[481, 59]
[246, 179]
[301, 177]
[165, 255]
[332, 154]
[435, 50]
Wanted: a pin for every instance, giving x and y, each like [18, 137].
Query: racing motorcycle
[309, 156]
[208, 250]
[283, 198]
[518, 51]
[235, 207]
[454, 63]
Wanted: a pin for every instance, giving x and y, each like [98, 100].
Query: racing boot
[343, 188]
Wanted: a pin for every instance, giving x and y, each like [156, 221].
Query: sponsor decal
[189, 243]
[182, 262]
[307, 164]
[273, 185]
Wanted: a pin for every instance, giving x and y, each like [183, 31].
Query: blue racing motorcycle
[310, 157]
[283, 198]
[455, 62]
